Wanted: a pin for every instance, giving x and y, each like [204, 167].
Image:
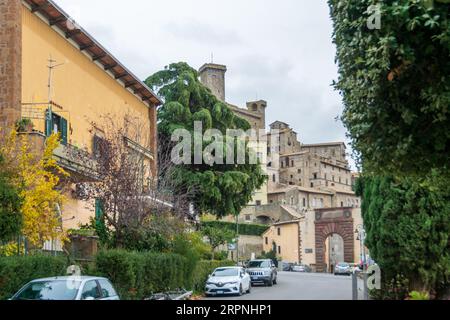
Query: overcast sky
[280, 51]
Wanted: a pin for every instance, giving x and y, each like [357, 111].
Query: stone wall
[10, 61]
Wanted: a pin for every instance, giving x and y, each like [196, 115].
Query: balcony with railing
[43, 123]
[43, 119]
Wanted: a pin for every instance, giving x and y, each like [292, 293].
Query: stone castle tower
[10, 61]
[213, 76]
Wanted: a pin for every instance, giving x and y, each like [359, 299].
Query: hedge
[138, 275]
[135, 275]
[247, 229]
[15, 272]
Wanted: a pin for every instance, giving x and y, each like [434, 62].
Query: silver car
[343, 268]
[263, 272]
[68, 288]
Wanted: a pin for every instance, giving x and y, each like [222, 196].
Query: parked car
[301, 268]
[228, 281]
[343, 268]
[68, 288]
[263, 272]
[287, 266]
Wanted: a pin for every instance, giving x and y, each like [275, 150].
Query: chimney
[213, 76]
[10, 61]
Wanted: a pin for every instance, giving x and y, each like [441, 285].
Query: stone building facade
[10, 61]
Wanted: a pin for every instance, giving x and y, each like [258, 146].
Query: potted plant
[24, 125]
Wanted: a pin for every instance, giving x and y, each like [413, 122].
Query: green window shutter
[63, 126]
[98, 212]
[48, 123]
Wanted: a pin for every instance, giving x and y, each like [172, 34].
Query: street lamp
[361, 232]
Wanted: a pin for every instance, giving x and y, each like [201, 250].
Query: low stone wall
[248, 245]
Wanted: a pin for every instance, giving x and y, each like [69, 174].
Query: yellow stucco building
[68, 83]
[284, 238]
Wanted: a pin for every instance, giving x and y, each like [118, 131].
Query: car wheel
[275, 281]
[241, 292]
[270, 283]
[249, 288]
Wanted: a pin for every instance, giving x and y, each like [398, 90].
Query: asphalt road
[301, 286]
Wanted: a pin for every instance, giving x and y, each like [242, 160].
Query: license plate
[254, 278]
[219, 292]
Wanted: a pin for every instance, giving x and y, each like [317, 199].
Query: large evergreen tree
[408, 229]
[394, 80]
[220, 189]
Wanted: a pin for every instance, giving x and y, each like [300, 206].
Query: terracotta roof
[292, 212]
[60, 20]
[286, 188]
[323, 144]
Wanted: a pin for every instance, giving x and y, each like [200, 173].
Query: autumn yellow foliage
[37, 176]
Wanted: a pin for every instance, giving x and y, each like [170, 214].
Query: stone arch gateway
[329, 222]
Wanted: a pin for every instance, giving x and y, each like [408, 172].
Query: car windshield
[259, 264]
[50, 290]
[226, 272]
[344, 265]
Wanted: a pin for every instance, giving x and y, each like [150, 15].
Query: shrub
[246, 229]
[15, 272]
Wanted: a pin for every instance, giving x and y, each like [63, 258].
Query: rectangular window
[98, 145]
[279, 249]
[248, 217]
[304, 202]
[258, 203]
[54, 123]
[267, 241]
[279, 231]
